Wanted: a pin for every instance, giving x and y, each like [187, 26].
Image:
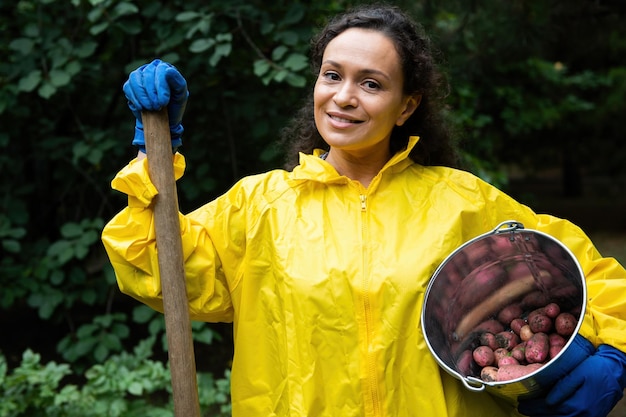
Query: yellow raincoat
[324, 281]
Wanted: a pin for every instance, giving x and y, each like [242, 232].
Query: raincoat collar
[312, 167]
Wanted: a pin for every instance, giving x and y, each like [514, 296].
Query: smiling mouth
[342, 120]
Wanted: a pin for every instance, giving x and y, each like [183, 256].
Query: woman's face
[358, 95]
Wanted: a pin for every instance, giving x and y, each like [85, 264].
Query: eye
[331, 76]
[371, 85]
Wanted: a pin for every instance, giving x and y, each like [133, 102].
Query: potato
[507, 339]
[500, 353]
[554, 351]
[525, 332]
[535, 299]
[464, 363]
[507, 360]
[484, 356]
[510, 372]
[537, 348]
[540, 323]
[489, 374]
[488, 339]
[517, 324]
[509, 313]
[552, 310]
[565, 324]
[518, 352]
[556, 340]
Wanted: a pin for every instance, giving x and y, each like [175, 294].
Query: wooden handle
[171, 265]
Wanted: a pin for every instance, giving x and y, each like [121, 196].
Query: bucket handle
[473, 384]
[508, 226]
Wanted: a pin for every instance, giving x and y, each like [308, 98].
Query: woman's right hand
[152, 87]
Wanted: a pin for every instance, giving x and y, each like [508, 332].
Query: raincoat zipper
[371, 364]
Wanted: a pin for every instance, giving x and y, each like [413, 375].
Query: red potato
[537, 348]
[484, 356]
[503, 245]
[507, 339]
[566, 294]
[479, 285]
[517, 324]
[540, 323]
[488, 339]
[519, 352]
[565, 324]
[500, 353]
[525, 332]
[556, 340]
[554, 351]
[489, 374]
[510, 372]
[507, 360]
[464, 362]
[478, 254]
[535, 299]
[552, 310]
[509, 313]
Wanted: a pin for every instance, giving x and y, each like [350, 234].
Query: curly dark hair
[421, 76]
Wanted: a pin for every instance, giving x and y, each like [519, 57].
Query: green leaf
[142, 314]
[279, 52]
[187, 16]
[135, 388]
[295, 80]
[204, 336]
[125, 8]
[71, 230]
[201, 45]
[99, 28]
[10, 245]
[59, 78]
[85, 49]
[111, 342]
[57, 277]
[23, 45]
[86, 330]
[221, 50]
[30, 82]
[296, 62]
[261, 67]
[46, 90]
[58, 248]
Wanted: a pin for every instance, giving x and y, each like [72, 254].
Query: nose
[345, 95]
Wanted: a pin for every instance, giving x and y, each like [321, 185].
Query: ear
[412, 103]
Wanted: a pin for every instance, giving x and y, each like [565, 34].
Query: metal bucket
[507, 265]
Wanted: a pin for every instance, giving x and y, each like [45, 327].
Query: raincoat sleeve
[605, 317]
[129, 240]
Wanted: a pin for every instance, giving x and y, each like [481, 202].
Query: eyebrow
[365, 71]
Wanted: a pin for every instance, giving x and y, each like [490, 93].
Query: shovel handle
[171, 264]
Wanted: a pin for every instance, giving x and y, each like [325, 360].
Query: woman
[322, 268]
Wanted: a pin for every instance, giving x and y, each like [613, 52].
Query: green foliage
[128, 385]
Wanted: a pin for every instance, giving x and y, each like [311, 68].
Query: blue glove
[591, 389]
[152, 87]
